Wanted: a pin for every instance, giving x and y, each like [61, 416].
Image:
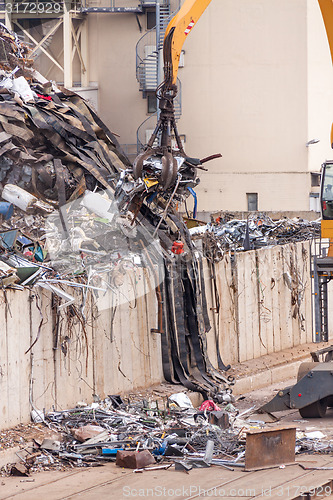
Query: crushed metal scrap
[146, 434]
[72, 201]
[259, 230]
[138, 434]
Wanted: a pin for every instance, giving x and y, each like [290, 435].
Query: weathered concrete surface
[265, 302]
[272, 368]
[112, 482]
[113, 352]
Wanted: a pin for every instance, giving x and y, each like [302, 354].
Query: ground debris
[161, 430]
[19, 470]
[158, 430]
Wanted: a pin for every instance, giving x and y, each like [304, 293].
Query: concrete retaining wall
[265, 306]
[265, 302]
[114, 352]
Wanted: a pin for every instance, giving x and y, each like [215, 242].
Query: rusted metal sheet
[134, 459]
[269, 447]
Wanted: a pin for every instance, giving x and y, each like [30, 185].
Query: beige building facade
[256, 86]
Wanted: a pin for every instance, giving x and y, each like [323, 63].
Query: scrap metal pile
[72, 210]
[256, 232]
[139, 434]
[146, 434]
[53, 150]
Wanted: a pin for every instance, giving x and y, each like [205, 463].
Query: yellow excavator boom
[182, 23]
[326, 7]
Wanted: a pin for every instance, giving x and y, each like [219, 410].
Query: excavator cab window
[327, 191]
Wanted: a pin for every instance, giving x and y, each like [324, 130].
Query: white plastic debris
[24, 200]
[81, 404]
[37, 76]
[22, 87]
[7, 82]
[5, 268]
[181, 399]
[18, 196]
[69, 299]
[37, 416]
[98, 205]
[314, 435]
[199, 229]
[137, 260]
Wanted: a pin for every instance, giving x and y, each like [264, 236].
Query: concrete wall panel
[228, 311]
[265, 301]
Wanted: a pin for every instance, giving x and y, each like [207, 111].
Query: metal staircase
[148, 49]
[46, 27]
[147, 52]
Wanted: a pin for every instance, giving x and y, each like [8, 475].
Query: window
[314, 202]
[252, 202]
[151, 19]
[151, 103]
[327, 191]
[315, 179]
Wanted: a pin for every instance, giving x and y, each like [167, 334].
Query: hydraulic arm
[177, 31]
[326, 7]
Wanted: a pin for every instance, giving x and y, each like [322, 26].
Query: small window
[151, 19]
[252, 202]
[151, 103]
[315, 179]
[314, 202]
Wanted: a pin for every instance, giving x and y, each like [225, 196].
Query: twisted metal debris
[258, 231]
[170, 433]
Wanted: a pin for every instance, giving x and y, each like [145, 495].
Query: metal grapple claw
[169, 170]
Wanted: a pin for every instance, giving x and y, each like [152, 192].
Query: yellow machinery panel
[327, 229]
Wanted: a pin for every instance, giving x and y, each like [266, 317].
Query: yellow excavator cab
[326, 199]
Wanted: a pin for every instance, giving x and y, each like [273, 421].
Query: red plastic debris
[45, 97]
[177, 247]
[209, 405]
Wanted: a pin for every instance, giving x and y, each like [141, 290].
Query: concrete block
[280, 373]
